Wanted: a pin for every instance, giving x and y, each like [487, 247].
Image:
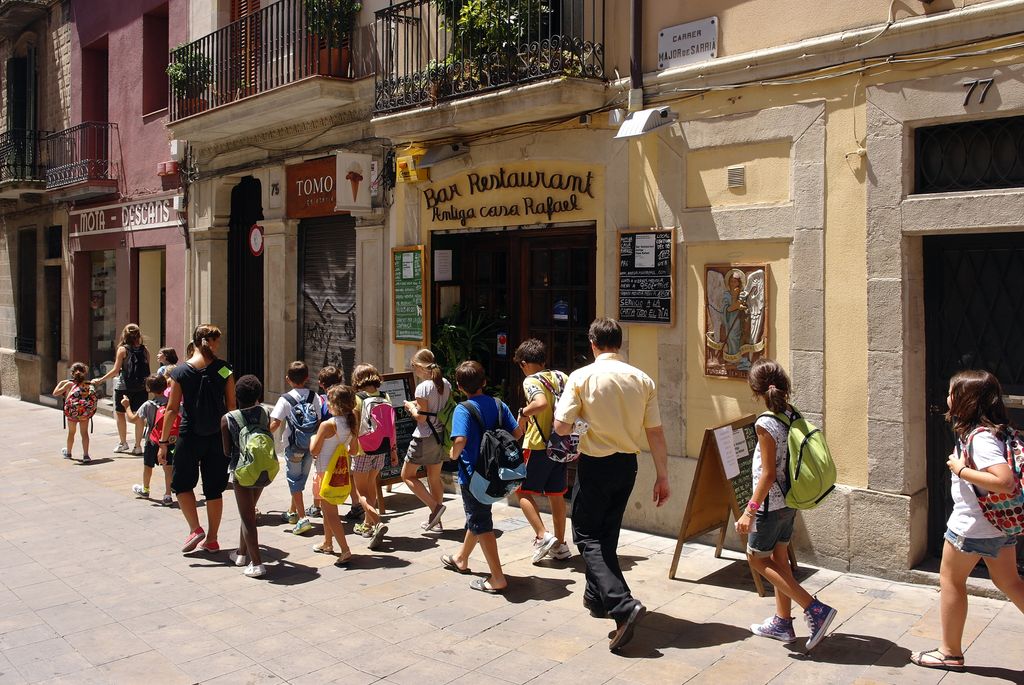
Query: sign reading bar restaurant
[688, 43]
[130, 216]
[311, 188]
[518, 194]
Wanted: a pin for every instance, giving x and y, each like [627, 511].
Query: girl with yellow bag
[334, 441]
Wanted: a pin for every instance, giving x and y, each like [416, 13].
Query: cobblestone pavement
[93, 589]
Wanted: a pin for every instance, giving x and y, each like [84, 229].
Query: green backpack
[810, 469]
[442, 432]
[257, 463]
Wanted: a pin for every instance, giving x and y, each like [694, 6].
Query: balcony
[22, 163]
[463, 61]
[15, 15]
[267, 69]
[82, 162]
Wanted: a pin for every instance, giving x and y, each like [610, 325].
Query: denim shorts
[298, 463]
[478, 515]
[770, 529]
[988, 548]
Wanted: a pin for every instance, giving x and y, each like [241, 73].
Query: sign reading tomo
[695, 41]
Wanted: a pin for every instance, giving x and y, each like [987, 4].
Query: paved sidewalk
[94, 590]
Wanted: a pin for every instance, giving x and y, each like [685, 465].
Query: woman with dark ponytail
[766, 519]
[205, 386]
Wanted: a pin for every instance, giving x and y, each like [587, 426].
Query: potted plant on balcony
[189, 73]
[329, 24]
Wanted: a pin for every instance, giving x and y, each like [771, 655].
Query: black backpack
[499, 468]
[135, 368]
[209, 405]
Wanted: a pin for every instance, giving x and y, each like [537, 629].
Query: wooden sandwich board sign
[721, 488]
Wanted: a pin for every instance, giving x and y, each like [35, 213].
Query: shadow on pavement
[93, 462]
[658, 631]
[525, 589]
[856, 650]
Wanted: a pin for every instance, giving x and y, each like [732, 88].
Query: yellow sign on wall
[515, 194]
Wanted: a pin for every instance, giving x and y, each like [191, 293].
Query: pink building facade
[114, 168]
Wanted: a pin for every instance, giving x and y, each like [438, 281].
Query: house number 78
[972, 86]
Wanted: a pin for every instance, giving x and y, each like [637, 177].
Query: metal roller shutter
[327, 293]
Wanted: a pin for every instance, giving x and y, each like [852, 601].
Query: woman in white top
[979, 467]
[340, 429]
[426, 447]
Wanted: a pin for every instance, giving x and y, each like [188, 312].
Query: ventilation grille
[736, 176]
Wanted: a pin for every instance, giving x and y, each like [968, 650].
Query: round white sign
[256, 240]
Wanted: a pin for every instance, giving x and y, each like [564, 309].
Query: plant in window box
[329, 24]
[190, 73]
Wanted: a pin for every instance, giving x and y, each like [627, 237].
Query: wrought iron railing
[435, 50]
[282, 43]
[23, 155]
[85, 152]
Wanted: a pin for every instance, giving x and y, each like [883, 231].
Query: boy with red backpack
[79, 407]
[151, 416]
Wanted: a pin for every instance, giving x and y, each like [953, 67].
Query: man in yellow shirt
[620, 404]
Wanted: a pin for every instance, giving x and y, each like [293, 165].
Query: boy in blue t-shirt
[466, 436]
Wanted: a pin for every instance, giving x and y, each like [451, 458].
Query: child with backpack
[467, 434]
[249, 446]
[298, 410]
[151, 416]
[544, 476]
[987, 468]
[333, 446]
[130, 371]
[377, 441]
[79, 407]
[433, 396]
[767, 520]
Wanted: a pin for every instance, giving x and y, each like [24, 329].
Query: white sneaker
[238, 559]
[257, 571]
[122, 448]
[140, 491]
[137, 451]
[542, 546]
[560, 552]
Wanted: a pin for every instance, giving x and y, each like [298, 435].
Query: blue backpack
[303, 420]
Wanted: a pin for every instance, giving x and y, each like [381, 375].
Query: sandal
[320, 549]
[448, 561]
[343, 558]
[482, 585]
[936, 659]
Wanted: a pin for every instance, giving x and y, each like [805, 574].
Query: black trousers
[600, 495]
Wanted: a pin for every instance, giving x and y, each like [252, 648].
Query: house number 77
[972, 86]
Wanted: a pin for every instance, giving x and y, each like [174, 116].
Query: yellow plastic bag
[336, 485]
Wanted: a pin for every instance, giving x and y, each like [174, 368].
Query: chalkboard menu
[407, 278]
[722, 486]
[399, 388]
[645, 277]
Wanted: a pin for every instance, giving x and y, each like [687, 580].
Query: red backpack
[157, 431]
[80, 402]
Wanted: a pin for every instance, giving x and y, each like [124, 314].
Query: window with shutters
[155, 51]
[245, 45]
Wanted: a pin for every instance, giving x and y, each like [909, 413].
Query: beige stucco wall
[759, 24]
[767, 169]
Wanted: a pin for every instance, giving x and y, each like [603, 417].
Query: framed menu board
[407, 288]
[645, 276]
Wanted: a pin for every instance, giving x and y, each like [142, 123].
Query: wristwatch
[753, 507]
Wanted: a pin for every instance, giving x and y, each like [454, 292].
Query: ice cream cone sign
[355, 194]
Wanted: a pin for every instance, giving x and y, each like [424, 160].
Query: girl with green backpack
[249, 447]
[767, 520]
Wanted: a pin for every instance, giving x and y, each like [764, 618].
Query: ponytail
[201, 338]
[341, 399]
[769, 381]
[425, 358]
[78, 372]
